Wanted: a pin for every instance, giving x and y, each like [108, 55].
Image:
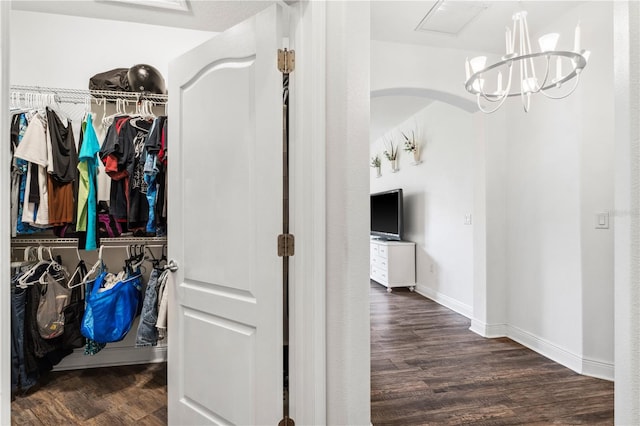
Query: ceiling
[396, 21]
[213, 16]
[393, 21]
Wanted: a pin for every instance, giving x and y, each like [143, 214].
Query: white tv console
[393, 263]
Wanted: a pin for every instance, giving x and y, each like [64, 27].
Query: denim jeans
[152, 193]
[19, 377]
[147, 333]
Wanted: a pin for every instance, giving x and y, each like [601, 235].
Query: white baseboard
[577, 363]
[444, 300]
[546, 348]
[488, 330]
[598, 369]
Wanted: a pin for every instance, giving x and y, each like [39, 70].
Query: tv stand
[393, 263]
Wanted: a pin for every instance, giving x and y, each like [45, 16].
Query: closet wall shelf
[105, 241]
[81, 96]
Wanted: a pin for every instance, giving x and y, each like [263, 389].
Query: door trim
[308, 201]
[5, 209]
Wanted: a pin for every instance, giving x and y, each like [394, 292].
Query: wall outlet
[467, 219]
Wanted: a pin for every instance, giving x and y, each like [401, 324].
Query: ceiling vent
[450, 17]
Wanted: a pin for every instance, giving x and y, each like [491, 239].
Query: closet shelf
[81, 96]
[105, 241]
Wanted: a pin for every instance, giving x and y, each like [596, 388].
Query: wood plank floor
[428, 368]
[135, 394]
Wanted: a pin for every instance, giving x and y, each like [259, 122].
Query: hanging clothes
[19, 169]
[62, 171]
[87, 191]
[33, 148]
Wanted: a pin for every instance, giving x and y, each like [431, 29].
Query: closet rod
[103, 241]
[81, 95]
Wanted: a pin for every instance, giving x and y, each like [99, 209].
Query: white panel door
[225, 196]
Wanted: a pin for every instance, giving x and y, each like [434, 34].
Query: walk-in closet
[191, 222]
[49, 248]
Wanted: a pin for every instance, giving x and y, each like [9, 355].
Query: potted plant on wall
[391, 152]
[410, 145]
[375, 163]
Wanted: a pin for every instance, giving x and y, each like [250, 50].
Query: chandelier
[558, 67]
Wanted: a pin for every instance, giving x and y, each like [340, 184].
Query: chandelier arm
[500, 98]
[504, 98]
[546, 75]
[575, 86]
[486, 111]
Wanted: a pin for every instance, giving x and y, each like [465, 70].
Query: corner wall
[438, 193]
[560, 174]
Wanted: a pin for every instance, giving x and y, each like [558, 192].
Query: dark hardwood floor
[127, 395]
[428, 368]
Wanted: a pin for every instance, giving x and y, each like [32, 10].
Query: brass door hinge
[286, 245]
[286, 61]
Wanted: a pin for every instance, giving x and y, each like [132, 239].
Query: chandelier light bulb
[478, 85]
[499, 92]
[558, 68]
[548, 42]
[478, 63]
[576, 45]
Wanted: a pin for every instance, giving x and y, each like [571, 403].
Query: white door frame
[307, 355]
[5, 220]
[308, 360]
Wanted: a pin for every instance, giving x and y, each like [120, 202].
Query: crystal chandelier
[558, 66]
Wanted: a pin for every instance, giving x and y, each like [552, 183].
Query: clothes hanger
[29, 258]
[99, 263]
[107, 120]
[79, 270]
[23, 281]
[60, 272]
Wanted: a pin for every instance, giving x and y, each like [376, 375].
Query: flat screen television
[386, 214]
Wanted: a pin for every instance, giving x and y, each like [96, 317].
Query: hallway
[427, 367]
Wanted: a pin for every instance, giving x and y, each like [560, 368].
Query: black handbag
[72, 338]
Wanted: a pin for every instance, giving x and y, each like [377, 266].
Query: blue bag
[109, 313]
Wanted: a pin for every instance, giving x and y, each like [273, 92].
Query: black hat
[145, 78]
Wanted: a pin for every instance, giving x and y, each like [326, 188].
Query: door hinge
[286, 245]
[286, 60]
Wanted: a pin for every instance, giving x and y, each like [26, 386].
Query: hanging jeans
[147, 333]
[150, 173]
[19, 377]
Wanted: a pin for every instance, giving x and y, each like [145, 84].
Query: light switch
[602, 220]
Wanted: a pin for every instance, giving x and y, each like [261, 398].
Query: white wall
[542, 274]
[560, 173]
[438, 193]
[347, 210]
[78, 48]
